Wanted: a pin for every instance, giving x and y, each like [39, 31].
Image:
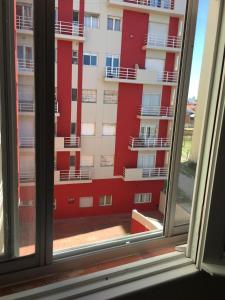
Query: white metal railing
[149, 142]
[166, 4]
[75, 175]
[26, 106]
[149, 172]
[26, 177]
[167, 77]
[27, 142]
[23, 22]
[160, 111]
[72, 142]
[121, 73]
[26, 65]
[163, 41]
[69, 28]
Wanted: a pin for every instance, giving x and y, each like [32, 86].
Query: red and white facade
[116, 68]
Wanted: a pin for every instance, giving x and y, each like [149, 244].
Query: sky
[198, 48]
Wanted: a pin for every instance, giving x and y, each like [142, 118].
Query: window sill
[116, 282]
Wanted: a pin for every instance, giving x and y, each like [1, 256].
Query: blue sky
[198, 48]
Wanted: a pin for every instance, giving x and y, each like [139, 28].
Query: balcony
[156, 112]
[163, 42]
[27, 178]
[67, 143]
[63, 30]
[141, 174]
[28, 107]
[140, 76]
[169, 7]
[26, 66]
[73, 176]
[69, 31]
[27, 143]
[24, 24]
[143, 144]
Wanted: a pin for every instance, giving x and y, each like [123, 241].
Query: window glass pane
[87, 59]
[26, 204]
[117, 24]
[95, 21]
[87, 129]
[93, 60]
[108, 129]
[87, 21]
[110, 24]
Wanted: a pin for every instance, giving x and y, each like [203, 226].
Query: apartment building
[116, 64]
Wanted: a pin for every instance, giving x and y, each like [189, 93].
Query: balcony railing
[69, 28]
[154, 172]
[26, 65]
[167, 77]
[75, 175]
[27, 142]
[121, 73]
[139, 174]
[156, 111]
[26, 106]
[165, 4]
[24, 23]
[27, 177]
[163, 41]
[72, 142]
[146, 143]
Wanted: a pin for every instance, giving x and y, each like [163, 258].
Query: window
[71, 200]
[90, 59]
[87, 161]
[74, 94]
[112, 61]
[107, 161]
[105, 200]
[142, 198]
[72, 160]
[75, 57]
[73, 128]
[110, 97]
[113, 23]
[91, 21]
[87, 129]
[89, 96]
[75, 16]
[108, 129]
[86, 202]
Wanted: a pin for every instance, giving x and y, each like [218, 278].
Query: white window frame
[114, 23]
[142, 198]
[87, 134]
[89, 96]
[109, 126]
[92, 16]
[105, 200]
[110, 99]
[86, 205]
[106, 163]
[91, 55]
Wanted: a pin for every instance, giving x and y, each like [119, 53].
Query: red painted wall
[64, 82]
[135, 28]
[166, 92]
[137, 227]
[122, 197]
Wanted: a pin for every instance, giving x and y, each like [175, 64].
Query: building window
[73, 128]
[90, 59]
[87, 161]
[113, 23]
[105, 200]
[75, 16]
[88, 129]
[89, 96]
[142, 198]
[72, 160]
[112, 61]
[74, 94]
[75, 57]
[107, 161]
[110, 97]
[71, 200]
[86, 202]
[108, 129]
[91, 21]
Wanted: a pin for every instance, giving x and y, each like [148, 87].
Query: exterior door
[148, 131]
[154, 64]
[151, 103]
[146, 161]
[158, 34]
[112, 63]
